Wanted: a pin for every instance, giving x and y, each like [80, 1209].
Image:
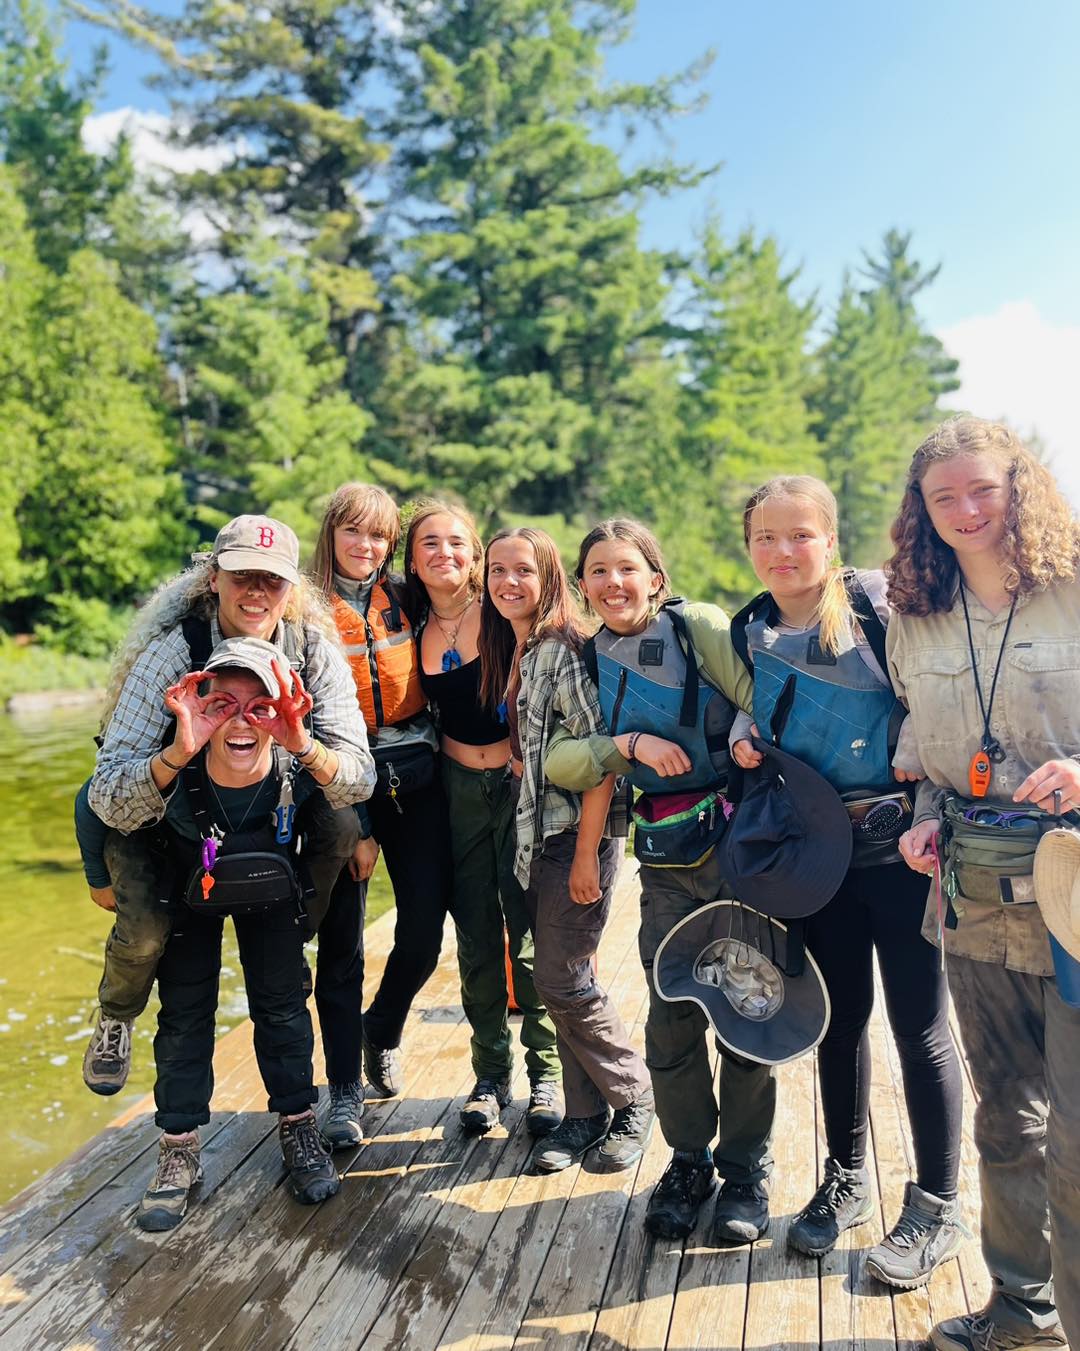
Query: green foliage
[27, 668]
[84, 626]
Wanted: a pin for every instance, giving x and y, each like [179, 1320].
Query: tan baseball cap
[251, 654]
[259, 543]
[1057, 886]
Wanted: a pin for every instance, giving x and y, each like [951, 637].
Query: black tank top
[456, 694]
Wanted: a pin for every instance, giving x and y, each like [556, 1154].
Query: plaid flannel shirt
[555, 691]
[122, 791]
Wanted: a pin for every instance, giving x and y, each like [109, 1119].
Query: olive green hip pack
[991, 862]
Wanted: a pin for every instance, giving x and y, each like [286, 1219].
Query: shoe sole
[104, 1089]
[158, 1221]
[913, 1282]
[569, 1162]
[733, 1239]
[340, 1142]
[811, 1250]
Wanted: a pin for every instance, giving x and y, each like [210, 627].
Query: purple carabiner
[209, 853]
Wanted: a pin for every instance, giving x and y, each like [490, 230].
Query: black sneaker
[628, 1134]
[164, 1203]
[678, 1196]
[742, 1213]
[545, 1110]
[483, 1105]
[341, 1126]
[569, 1142]
[979, 1332]
[107, 1061]
[382, 1069]
[927, 1234]
[312, 1176]
[842, 1201]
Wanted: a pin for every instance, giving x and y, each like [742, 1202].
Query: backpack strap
[869, 619]
[197, 636]
[688, 711]
[740, 623]
[588, 657]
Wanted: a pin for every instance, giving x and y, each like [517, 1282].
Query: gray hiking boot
[107, 1061]
[842, 1201]
[569, 1142]
[341, 1126]
[164, 1203]
[629, 1132]
[483, 1105]
[927, 1233]
[545, 1111]
[382, 1068]
[979, 1332]
[312, 1176]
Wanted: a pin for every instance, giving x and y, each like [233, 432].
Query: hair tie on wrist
[631, 747]
[169, 764]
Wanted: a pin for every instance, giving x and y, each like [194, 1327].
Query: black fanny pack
[403, 768]
[245, 883]
[878, 819]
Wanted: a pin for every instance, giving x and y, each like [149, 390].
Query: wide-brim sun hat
[731, 961]
[788, 846]
[1057, 886]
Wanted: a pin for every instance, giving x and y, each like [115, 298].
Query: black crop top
[456, 695]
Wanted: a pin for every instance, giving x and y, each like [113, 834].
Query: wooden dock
[442, 1241]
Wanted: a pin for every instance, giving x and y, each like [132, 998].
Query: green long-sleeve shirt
[580, 763]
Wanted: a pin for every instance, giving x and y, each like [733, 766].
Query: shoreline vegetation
[34, 677]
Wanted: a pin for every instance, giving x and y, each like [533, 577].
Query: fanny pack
[989, 851]
[246, 883]
[402, 768]
[678, 830]
[877, 822]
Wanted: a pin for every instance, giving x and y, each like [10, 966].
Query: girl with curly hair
[984, 647]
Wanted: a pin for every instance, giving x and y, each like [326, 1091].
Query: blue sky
[959, 121]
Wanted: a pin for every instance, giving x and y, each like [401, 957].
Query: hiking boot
[568, 1142]
[628, 1134]
[107, 1061]
[742, 1213]
[927, 1233]
[484, 1103]
[164, 1203]
[842, 1201]
[979, 1332]
[341, 1126]
[545, 1107]
[312, 1176]
[678, 1196]
[382, 1069]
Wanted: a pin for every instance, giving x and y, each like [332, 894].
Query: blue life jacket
[837, 715]
[650, 682]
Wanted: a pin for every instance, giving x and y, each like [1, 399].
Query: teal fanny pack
[678, 830]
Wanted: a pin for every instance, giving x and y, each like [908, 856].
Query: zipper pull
[394, 782]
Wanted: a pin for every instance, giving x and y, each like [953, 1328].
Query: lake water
[51, 944]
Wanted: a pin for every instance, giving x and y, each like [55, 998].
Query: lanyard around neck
[990, 744]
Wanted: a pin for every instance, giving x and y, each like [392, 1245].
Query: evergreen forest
[403, 244]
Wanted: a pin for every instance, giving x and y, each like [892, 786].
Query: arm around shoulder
[710, 634]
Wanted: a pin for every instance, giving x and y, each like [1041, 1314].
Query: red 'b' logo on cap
[266, 537]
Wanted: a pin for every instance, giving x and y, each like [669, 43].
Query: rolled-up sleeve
[337, 722]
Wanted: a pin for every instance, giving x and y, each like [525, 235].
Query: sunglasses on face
[267, 581]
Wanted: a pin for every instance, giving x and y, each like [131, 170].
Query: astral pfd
[842, 720]
[381, 651]
[647, 684]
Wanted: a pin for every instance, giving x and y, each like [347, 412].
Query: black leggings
[881, 909]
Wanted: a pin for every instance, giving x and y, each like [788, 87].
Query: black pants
[271, 952]
[416, 847]
[339, 979]
[881, 909]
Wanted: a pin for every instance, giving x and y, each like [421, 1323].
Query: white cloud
[1017, 366]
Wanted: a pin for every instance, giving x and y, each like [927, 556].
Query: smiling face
[239, 753]
[442, 553]
[790, 549]
[360, 548]
[250, 604]
[967, 499]
[619, 585]
[513, 581]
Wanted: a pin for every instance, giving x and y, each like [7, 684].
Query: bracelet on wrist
[308, 750]
[169, 764]
[631, 747]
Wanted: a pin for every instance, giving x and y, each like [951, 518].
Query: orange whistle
[207, 885]
[979, 772]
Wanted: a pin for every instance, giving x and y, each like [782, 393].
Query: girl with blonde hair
[816, 636]
[983, 646]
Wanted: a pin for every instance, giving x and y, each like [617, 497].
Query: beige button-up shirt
[1035, 716]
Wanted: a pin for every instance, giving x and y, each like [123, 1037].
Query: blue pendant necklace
[451, 658]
